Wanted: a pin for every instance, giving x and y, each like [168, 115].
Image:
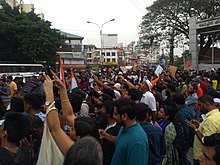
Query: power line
[137, 7]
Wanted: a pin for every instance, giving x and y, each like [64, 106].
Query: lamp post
[101, 40]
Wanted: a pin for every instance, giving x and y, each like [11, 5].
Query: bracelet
[63, 101]
[196, 130]
[51, 109]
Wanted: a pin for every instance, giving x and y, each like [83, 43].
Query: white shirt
[149, 99]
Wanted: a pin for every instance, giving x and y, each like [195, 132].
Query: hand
[48, 88]
[121, 77]
[196, 123]
[58, 83]
[193, 124]
[26, 142]
[102, 133]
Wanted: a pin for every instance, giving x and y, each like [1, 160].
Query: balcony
[71, 55]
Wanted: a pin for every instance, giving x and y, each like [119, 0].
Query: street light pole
[101, 38]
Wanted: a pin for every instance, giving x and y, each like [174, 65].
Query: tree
[169, 20]
[25, 38]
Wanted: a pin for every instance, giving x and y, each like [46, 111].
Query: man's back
[157, 148]
[131, 147]
[184, 133]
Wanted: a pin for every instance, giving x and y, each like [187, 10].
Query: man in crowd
[211, 150]
[184, 134]
[131, 143]
[148, 98]
[157, 148]
[208, 127]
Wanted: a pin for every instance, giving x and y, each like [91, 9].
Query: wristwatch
[47, 103]
[196, 129]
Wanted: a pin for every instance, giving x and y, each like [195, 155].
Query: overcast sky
[72, 15]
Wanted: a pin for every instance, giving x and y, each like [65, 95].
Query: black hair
[82, 128]
[76, 101]
[141, 111]
[171, 86]
[206, 98]
[86, 151]
[108, 104]
[17, 104]
[81, 93]
[35, 100]
[135, 94]
[35, 121]
[214, 141]
[168, 110]
[109, 92]
[17, 126]
[179, 98]
[89, 125]
[125, 106]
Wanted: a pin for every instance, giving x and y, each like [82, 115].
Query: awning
[76, 66]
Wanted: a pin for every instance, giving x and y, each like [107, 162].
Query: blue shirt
[131, 146]
[184, 134]
[157, 147]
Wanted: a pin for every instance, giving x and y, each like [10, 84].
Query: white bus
[21, 70]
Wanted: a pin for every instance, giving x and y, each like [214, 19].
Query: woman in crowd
[166, 115]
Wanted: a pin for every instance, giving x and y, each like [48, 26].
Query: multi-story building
[110, 57]
[92, 55]
[110, 40]
[22, 6]
[72, 52]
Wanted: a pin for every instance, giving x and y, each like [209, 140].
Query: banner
[172, 70]
[159, 70]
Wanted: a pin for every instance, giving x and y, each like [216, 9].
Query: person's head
[211, 150]
[143, 113]
[15, 127]
[166, 112]
[170, 88]
[193, 88]
[33, 101]
[206, 103]
[17, 104]
[108, 108]
[37, 127]
[145, 86]
[10, 78]
[86, 151]
[84, 126]
[179, 99]
[124, 110]
[134, 94]
[76, 101]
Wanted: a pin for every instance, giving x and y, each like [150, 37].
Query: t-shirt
[131, 146]
[24, 156]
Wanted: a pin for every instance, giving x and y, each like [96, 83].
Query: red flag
[62, 77]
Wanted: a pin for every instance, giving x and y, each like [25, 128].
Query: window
[108, 60]
[113, 53]
[113, 60]
[108, 53]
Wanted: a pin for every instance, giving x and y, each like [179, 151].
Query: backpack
[24, 156]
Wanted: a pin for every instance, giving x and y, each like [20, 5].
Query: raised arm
[62, 140]
[67, 108]
[130, 85]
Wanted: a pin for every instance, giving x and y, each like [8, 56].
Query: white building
[109, 40]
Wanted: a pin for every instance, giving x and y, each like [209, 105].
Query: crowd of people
[112, 117]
